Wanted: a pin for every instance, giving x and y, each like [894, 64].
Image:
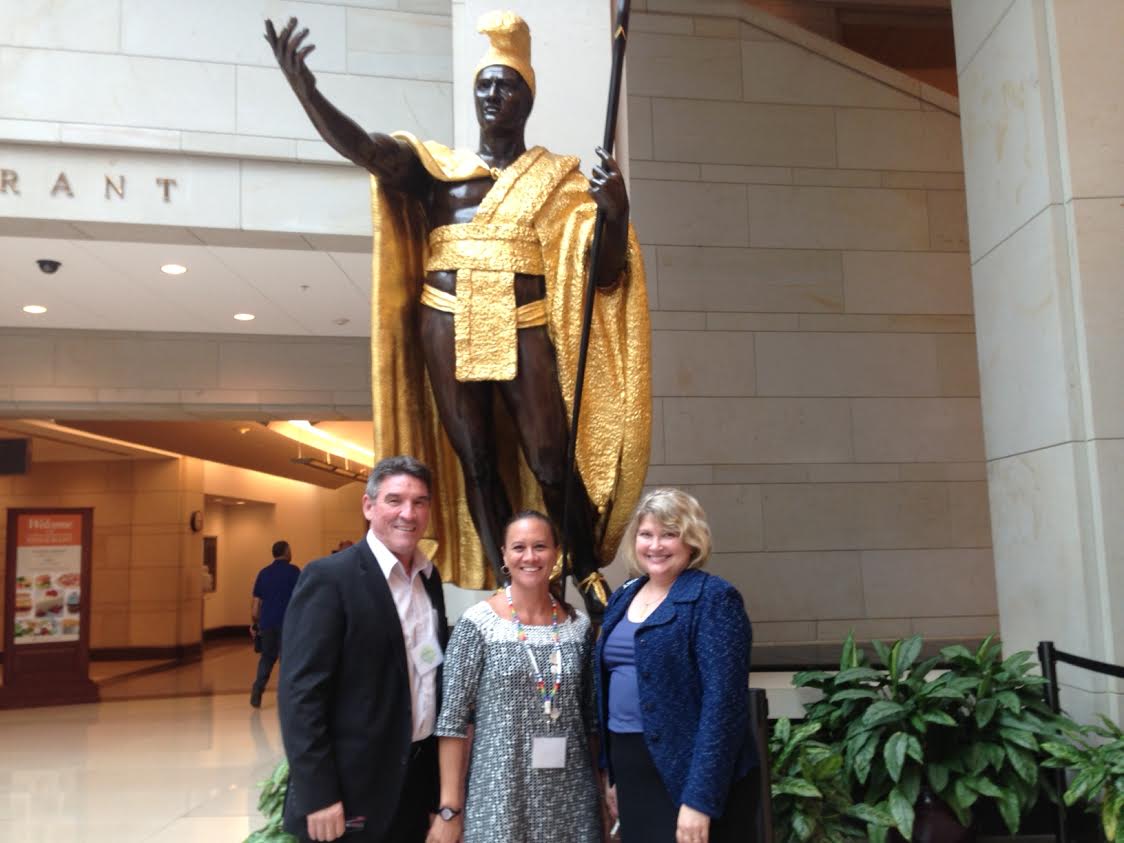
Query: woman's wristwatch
[446, 813]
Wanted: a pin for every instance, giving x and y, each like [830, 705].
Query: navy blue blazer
[692, 673]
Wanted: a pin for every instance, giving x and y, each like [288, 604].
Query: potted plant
[271, 804]
[1096, 755]
[923, 746]
[811, 799]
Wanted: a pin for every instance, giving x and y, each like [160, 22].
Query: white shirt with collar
[419, 624]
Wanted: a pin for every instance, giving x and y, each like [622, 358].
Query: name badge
[548, 753]
[427, 656]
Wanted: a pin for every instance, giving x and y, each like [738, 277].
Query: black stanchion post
[1048, 658]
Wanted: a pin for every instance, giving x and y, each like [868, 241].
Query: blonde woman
[672, 670]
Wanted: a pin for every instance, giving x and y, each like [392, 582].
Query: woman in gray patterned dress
[518, 708]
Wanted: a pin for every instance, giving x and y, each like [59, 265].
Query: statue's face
[503, 99]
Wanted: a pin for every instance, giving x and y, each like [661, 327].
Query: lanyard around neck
[548, 697]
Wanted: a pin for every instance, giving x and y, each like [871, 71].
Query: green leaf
[910, 650]
[882, 712]
[1024, 739]
[1086, 785]
[883, 653]
[985, 710]
[902, 811]
[1023, 762]
[802, 826]
[1008, 804]
[865, 755]
[854, 694]
[938, 777]
[1010, 701]
[854, 674]
[894, 754]
[956, 652]
[782, 729]
[796, 787]
[809, 677]
[983, 786]
[1064, 752]
[921, 670]
[872, 814]
[911, 784]
[877, 833]
[940, 718]
[965, 795]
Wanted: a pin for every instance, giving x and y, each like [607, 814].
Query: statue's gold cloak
[613, 443]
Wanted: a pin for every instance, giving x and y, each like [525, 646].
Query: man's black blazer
[344, 693]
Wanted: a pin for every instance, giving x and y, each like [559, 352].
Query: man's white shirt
[417, 616]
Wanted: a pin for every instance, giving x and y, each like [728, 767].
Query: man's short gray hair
[392, 467]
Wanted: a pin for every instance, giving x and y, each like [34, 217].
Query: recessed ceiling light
[173, 269]
[244, 317]
[34, 308]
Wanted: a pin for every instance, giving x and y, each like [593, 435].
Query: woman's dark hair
[536, 515]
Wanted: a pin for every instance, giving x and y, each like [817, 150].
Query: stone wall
[803, 216]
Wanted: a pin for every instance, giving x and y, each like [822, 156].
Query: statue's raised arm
[389, 159]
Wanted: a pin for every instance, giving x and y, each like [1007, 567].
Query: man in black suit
[361, 679]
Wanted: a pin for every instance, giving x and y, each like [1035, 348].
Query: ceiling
[296, 290]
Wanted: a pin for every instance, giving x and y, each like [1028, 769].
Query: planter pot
[935, 823]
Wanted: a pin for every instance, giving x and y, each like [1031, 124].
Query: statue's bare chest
[456, 202]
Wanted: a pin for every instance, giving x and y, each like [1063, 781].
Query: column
[1043, 132]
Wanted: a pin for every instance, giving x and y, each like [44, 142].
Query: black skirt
[647, 812]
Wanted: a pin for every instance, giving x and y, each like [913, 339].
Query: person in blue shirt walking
[272, 590]
[672, 673]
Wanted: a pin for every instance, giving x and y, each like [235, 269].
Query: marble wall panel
[795, 586]
[26, 360]
[880, 629]
[640, 142]
[1098, 226]
[743, 133]
[1040, 535]
[324, 199]
[837, 218]
[751, 280]
[39, 85]
[1007, 126]
[917, 429]
[1027, 371]
[734, 515]
[398, 44]
[907, 282]
[156, 547]
[972, 23]
[690, 214]
[232, 33]
[702, 363]
[324, 364]
[757, 430]
[683, 66]
[872, 139]
[1087, 34]
[920, 583]
[1108, 584]
[846, 364]
[779, 71]
[62, 25]
[266, 105]
[948, 221]
[845, 516]
[158, 626]
[91, 360]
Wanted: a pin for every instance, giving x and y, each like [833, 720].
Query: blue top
[692, 677]
[624, 696]
[274, 585]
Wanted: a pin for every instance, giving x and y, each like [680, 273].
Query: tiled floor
[179, 766]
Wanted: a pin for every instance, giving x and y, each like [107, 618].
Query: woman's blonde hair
[674, 510]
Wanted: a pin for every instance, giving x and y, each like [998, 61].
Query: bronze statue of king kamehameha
[478, 274]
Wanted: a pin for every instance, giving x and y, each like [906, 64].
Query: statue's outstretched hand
[606, 186]
[290, 55]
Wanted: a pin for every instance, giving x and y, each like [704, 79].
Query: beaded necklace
[547, 697]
